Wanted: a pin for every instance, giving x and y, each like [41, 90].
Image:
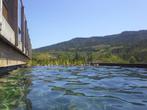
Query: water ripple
[85, 88]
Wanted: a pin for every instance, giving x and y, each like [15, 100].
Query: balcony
[13, 26]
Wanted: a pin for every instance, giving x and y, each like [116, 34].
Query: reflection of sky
[55, 87]
[61, 88]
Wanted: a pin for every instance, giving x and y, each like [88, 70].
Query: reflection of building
[15, 45]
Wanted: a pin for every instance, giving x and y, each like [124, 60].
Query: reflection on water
[74, 88]
[14, 89]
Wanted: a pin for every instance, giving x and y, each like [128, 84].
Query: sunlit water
[74, 88]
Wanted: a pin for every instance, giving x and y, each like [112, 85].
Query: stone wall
[10, 56]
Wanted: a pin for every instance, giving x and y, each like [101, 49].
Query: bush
[132, 60]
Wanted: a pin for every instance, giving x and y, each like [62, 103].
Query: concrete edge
[119, 64]
[10, 68]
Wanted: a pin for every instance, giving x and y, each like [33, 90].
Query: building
[15, 44]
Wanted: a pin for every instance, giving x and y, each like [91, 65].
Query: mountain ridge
[124, 38]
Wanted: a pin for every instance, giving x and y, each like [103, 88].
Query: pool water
[74, 88]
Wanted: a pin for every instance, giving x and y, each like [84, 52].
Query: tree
[132, 60]
[89, 57]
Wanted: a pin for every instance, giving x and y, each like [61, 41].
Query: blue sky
[53, 21]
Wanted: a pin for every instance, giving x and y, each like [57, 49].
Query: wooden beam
[22, 28]
[16, 21]
[1, 14]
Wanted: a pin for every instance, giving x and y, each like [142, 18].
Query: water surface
[75, 88]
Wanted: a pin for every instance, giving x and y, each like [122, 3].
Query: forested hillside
[126, 47]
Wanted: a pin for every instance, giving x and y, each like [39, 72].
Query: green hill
[126, 47]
